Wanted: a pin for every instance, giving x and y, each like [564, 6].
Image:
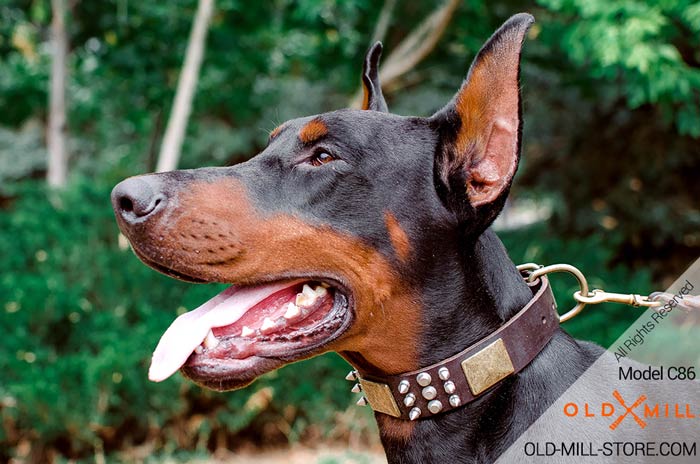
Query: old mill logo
[640, 411]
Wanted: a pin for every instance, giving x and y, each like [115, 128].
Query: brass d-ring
[583, 283]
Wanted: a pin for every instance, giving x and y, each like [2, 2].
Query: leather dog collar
[462, 378]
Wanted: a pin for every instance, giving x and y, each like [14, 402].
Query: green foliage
[23, 68]
[21, 153]
[648, 47]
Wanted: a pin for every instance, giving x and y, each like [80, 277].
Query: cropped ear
[480, 127]
[373, 98]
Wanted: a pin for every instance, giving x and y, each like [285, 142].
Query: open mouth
[245, 331]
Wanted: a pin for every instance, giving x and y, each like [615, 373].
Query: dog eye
[321, 158]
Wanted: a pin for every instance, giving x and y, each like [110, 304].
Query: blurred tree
[177, 124]
[58, 157]
[414, 47]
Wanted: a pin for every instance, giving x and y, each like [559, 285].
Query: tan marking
[365, 96]
[473, 105]
[312, 131]
[387, 312]
[399, 239]
[488, 104]
[395, 429]
[276, 131]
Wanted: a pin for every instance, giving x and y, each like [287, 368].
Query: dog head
[330, 233]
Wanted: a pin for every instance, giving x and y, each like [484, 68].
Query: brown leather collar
[462, 378]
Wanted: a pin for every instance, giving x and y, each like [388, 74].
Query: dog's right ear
[479, 130]
[372, 89]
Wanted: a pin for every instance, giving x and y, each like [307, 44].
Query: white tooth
[292, 311]
[267, 325]
[324, 285]
[246, 331]
[306, 290]
[307, 297]
[211, 341]
[320, 291]
[300, 299]
[199, 349]
[305, 301]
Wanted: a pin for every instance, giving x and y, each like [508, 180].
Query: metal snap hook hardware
[601, 296]
[533, 271]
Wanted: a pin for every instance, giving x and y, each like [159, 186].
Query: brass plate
[380, 398]
[487, 367]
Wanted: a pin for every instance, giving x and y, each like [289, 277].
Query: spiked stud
[414, 414]
[443, 373]
[403, 387]
[449, 387]
[356, 388]
[423, 379]
[455, 401]
[362, 401]
[409, 400]
[352, 376]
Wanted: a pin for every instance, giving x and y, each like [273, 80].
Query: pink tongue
[189, 330]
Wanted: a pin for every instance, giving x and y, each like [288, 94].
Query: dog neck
[469, 296]
[485, 291]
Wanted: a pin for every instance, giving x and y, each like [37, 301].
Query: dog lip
[239, 372]
[170, 272]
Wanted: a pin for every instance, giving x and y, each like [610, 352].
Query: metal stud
[414, 414]
[356, 388]
[362, 401]
[409, 400]
[352, 376]
[449, 387]
[435, 406]
[429, 393]
[423, 379]
[443, 373]
[403, 387]
[455, 401]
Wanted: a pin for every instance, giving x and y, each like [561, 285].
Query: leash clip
[533, 271]
[600, 296]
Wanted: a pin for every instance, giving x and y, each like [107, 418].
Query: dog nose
[136, 198]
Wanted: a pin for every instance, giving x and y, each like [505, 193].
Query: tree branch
[187, 84]
[383, 21]
[413, 48]
[57, 171]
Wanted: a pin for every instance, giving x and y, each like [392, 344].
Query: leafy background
[612, 110]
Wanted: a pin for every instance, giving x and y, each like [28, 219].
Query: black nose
[136, 198]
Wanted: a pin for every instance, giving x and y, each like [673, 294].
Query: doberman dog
[368, 234]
